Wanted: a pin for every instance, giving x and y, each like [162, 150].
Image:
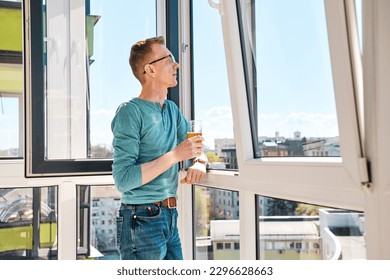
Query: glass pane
[211, 89]
[11, 80]
[291, 90]
[83, 221]
[10, 127]
[216, 224]
[28, 223]
[97, 222]
[83, 93]
[290, 230]
[120, 24]
[359, 20]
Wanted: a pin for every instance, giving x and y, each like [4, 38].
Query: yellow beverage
[193, 134]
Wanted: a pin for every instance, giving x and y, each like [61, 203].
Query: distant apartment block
[333, 235]
[224, 205]
[278, 146]
[105, 202]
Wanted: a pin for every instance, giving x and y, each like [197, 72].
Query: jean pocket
[147, 212]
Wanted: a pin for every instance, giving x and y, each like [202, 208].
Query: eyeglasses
[157, 60]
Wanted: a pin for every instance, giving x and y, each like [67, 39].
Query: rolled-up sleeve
[126, 130]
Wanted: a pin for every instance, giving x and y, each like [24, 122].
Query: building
[105, 203]
[295, 237]
[328, 147]
[289, 238]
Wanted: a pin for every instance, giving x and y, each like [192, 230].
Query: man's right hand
[189, 148]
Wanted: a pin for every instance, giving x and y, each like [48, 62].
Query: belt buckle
[169, 203]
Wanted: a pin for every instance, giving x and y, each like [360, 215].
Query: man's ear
[149, 69]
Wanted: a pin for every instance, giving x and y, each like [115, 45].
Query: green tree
[280, 207]
[212, 157]
[101, 151]
[202, 212]
[307, 210]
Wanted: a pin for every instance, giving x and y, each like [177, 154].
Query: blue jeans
[148, 232]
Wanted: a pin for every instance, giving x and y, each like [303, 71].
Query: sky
[295, 87]
[295, 90]
[112, 81]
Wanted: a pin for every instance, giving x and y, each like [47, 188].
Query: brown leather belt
[169, 202]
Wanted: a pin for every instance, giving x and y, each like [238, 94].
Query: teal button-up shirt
[144, 131]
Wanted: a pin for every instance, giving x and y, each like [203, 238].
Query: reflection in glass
[211, 89]
[289, 230]
[216, 224]
[111, 82]
[28, 223]
[289, 78]
[87, 74]
[97, 222]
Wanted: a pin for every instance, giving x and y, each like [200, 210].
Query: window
[332, 161]
[290, 83]
[294, 228]
[215, 224]
[28, 223]
[97, 231]
[11, 80]
[78, 79]
[211, 90]
[11, 119]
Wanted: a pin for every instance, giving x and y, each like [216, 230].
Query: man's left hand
[195, 174]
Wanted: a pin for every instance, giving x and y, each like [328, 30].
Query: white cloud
[217, 123]
[103, 112]
[310, 125]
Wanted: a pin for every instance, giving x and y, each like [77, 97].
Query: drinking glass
[195, 128]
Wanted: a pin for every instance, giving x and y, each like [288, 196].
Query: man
[149, 142]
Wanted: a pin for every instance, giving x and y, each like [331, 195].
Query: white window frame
[376, 66]
[336, 182]
[314, 180]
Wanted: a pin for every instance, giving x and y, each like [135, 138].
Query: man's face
[163, 66]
